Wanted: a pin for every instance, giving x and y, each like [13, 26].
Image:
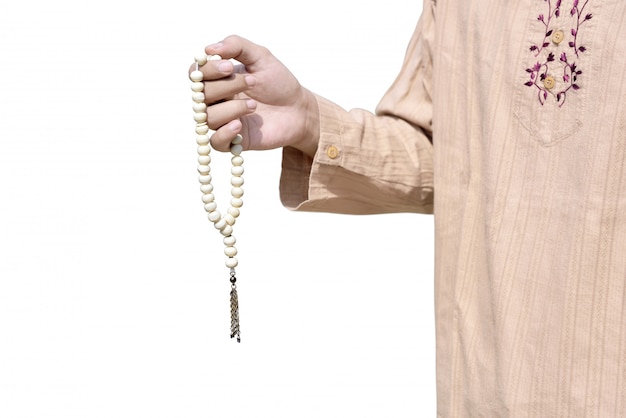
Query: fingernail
[225, 66]
[251, 104]
[250, 81]
[235, 125]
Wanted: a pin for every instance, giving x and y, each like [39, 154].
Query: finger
[241, 49]
[226, 88]
[222, 138]
[214, 69]
[224, 112]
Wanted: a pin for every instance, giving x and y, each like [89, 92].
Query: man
[508, 121]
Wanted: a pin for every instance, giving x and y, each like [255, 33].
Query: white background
[113, 290]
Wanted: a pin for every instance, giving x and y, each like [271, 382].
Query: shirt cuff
[304, 178]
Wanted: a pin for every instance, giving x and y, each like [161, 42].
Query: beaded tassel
[223, 223]
[234, 308]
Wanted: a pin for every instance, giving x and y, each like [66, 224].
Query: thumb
[246, 52]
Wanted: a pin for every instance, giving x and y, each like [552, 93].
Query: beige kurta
[509, 120]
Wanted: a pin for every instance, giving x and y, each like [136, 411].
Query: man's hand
[258, 98]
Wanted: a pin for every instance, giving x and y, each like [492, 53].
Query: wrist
[309, 139]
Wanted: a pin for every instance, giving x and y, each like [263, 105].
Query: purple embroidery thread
[541, 75]
[579, 13]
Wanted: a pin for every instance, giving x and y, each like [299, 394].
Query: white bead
[199, 107]
[202, 140]
[201, 58]
[202, 128]
[204, 150]
[200, 117]
[221, 224]
[215, 216]
[205, 179]
[236, 149]
[236, 192]
[196, 75]
[197, 86]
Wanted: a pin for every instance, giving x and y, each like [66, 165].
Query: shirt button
[332, 152]
[558, 36]
[548, 82]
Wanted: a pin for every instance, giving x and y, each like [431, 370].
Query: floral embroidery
[546, 22]
[543, 75]
[579, 13]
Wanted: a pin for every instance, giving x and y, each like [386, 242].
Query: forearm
[372, 163]
[365, 163]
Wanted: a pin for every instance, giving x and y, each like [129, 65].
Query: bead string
[223, 223]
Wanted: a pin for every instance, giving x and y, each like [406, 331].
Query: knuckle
[264, 51]
[232, 38]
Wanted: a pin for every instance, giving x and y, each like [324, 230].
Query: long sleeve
[372, 162]
[528, 158]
